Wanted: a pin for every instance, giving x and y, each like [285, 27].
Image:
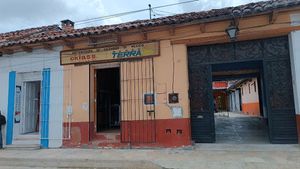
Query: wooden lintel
[27, 48]
[69, 43]
[202, 28]
[243, 35]
[47, 46]
[272, 17]
[172, 31]
[200, 41]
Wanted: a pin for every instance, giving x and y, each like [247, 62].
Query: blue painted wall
[10, 107]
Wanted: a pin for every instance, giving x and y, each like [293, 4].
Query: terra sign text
[110, 53]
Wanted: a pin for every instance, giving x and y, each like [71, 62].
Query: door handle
[200, 117]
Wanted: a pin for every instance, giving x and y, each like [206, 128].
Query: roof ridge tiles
[202, 16]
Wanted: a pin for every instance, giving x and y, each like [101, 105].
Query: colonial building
[31, 80]
[149, 82]
[244, 96]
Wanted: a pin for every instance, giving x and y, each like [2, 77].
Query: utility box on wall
[173, 98]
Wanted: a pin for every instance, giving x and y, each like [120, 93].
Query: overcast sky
[21, 14]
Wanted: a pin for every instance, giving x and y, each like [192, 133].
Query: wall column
[45, 109]
[295, 65]
[10, 107]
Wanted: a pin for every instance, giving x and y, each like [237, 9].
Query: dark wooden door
[201, 103]
[280, 101]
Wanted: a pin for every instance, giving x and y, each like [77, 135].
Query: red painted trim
[220, 85]
[79, 134]
[158, 133]
[298, 126]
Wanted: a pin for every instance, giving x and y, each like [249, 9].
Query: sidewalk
[206, 156]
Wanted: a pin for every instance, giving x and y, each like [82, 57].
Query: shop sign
[110, 53]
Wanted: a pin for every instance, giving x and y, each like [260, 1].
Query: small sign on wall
[177, 112]
[18, 105]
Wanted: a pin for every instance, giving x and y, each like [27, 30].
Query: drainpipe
[69, 131]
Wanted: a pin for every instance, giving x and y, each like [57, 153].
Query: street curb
[78, 163]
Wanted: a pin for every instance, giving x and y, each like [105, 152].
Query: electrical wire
[170, 13]
[85, 21]
[156, 14]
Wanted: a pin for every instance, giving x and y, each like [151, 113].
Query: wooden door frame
[93, 75]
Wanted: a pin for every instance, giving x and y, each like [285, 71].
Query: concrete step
[26, 141]
[28, 137]
[23, 147]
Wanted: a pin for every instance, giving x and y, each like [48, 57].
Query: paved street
[201, 156]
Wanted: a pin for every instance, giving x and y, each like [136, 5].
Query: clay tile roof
[30, 35]
[49, 33]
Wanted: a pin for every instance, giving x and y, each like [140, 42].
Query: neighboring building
[244, 96]
[250, 97]
[31, 89]
[148, 83]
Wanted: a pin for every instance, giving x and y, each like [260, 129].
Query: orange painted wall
[76, 92]
[251, 109]
[182, 35]
[79, 78]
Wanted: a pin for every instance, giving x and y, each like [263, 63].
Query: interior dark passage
[108, 99]
[238, 103]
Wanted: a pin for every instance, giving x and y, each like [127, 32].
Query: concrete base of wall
[166, 133]
[79, 134]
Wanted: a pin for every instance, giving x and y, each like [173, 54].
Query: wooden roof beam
[26, 48]
[273, 17]
[202, 28]
[69, 43]
[7, 51]
[47, 46]
[172, 31]
[145, 35]
[93, 40]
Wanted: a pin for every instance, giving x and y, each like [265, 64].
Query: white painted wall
[295, 66]
[234, 101]
[252, 96]
[237, 101]
[22, 62]
[3, 96]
